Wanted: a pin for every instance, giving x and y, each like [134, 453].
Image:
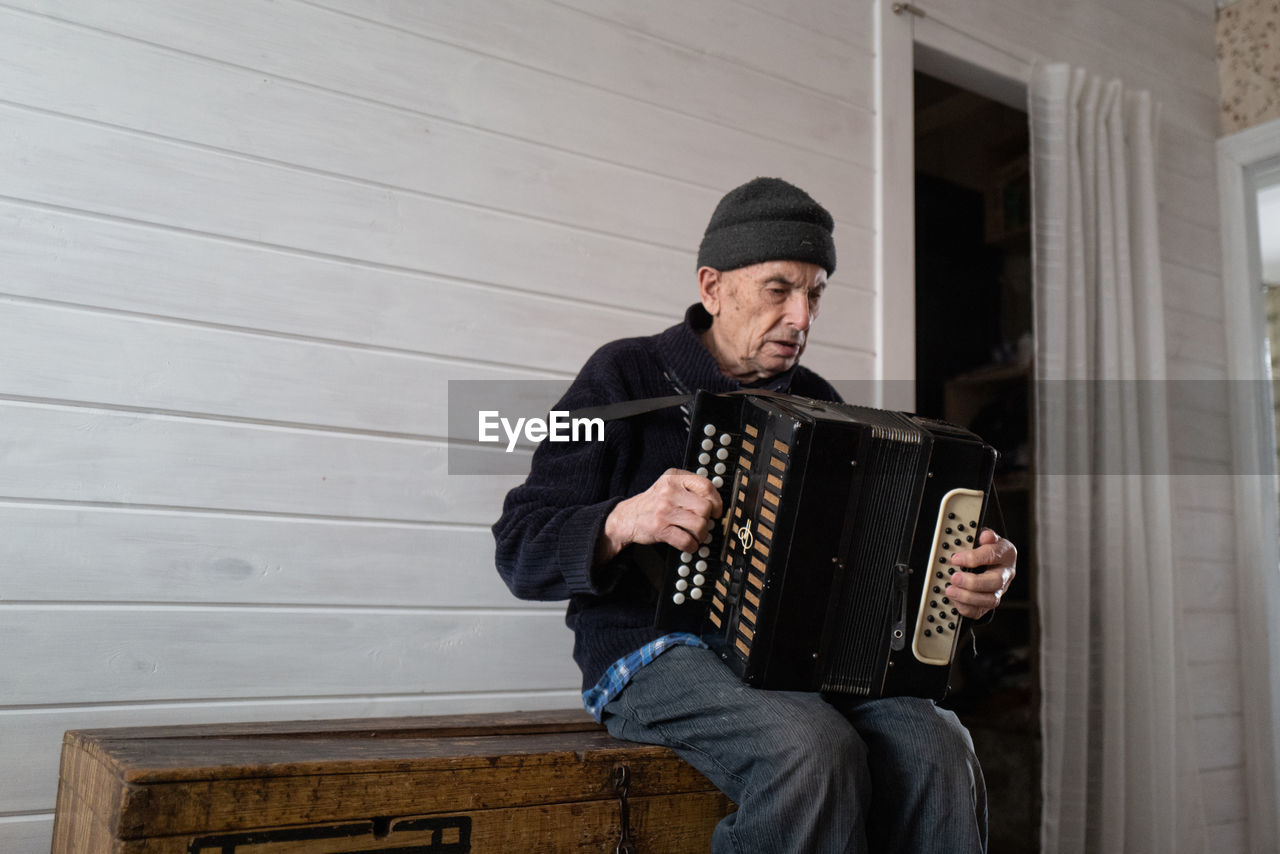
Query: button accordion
[829, 567]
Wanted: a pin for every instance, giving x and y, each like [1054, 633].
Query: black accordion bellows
[828, 569]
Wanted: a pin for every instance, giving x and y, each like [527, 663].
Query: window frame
[1252, 436]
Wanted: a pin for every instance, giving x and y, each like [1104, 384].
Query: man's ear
[710, 286]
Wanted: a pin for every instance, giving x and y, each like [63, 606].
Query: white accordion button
[699, 580]
[704, 552]
[717, 481]
[722, 454]
[700, 566]
[709, 430]
[678, 598]
[683, 571]
[685, 557]
[702, 472]
[724, 438]
[707, 444]
[696, 593]
[703, 459]
[719, 469]
[682, 585]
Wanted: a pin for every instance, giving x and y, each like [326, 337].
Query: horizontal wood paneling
[77, 164]
[1186, 369]
[1205, 492]
[290, 122]
[844, 21]
[31, 748]
[1220, 742]
[1095, 36]
[1184, 243]
[1185, 196]
[167, 272]
[587, 50]
[88, 554]
[84, 455]
[1215, 688]
[1201, 468]
[149, 364]
[1187, 153]
[99, 654]
[1192, 291]
[748, 38]
[1204, 535]
[117, 173]
[441, 80]
[1197, 434]
[1224, 797]
[293, 123]
[1208, 585]
[1197, 398]
[840, 364]
[1139, 32]
[1166, 24]
[1194, 337]
[1229, 836]
[1211, 636]
[21, 833]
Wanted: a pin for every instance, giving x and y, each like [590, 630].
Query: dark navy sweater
[547, 534]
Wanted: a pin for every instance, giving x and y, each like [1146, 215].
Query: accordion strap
[630, 408]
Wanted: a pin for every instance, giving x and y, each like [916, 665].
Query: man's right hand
[676, 510]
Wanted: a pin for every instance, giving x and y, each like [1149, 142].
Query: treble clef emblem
[745, 537]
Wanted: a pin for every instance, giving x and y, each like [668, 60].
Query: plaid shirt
[620, 673]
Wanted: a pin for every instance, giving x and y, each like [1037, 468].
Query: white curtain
[1118, 766]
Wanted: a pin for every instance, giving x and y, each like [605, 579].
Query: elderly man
[809, 772]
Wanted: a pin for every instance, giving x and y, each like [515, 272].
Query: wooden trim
[894, 210]
[1253, 448]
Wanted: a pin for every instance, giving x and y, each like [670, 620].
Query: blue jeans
[891, 775]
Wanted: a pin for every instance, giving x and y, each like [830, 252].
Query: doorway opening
[973, 357]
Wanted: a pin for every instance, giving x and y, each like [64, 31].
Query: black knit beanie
[768, 219]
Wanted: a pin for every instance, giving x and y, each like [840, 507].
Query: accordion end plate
[937, 620]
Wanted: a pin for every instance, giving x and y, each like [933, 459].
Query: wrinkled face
[761, 315]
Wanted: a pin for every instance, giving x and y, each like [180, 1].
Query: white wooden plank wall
[1168, 49]
[246, 244]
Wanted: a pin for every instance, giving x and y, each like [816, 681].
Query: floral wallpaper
[1249, 63]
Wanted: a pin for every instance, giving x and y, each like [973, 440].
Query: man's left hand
[995, 560]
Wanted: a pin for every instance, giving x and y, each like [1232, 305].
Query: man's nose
[799, 313]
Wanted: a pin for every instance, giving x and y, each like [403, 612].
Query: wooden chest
[512, 782]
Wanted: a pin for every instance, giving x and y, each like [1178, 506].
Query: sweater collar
[690, 365]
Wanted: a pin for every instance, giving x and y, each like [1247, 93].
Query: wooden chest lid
[156, 781]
